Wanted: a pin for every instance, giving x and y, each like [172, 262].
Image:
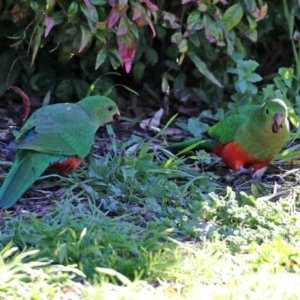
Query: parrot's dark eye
[267, 111]
[110, 108]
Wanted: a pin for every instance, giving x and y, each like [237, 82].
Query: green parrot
[248, 138]
[57, 136]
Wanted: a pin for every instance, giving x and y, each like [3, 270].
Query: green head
[274, 114]
[100, 109]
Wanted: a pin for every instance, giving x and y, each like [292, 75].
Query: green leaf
[138, 70]
[35, 7]
[42, 81]
[201, 66]
[241, 86]
[252, 23]
[179, 82]
[254, 78]
[98, 2]
[176, 37]
[101, 57]
[151, 55]
[195, 39]
[231, 40]
[287, 76]
[212, 31]
[252, 35]
[50, 4]
[64, 91]
[165, 87]
[101, 37]
[183, 46]
[294, 118]
[81, 88]
[250, 5]
[58, 17]
[72, 11]
[91, 14]
[36, 41]
[232, 16]
[194, 21]
[114, 61]
[196, 127]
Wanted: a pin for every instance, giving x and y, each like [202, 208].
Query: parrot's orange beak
[277, 122]
[116, 117]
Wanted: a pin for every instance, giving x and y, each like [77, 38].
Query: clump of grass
[135, 225]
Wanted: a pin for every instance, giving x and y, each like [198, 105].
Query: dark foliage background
[200, 53]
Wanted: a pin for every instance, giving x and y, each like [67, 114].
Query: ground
[135, 221]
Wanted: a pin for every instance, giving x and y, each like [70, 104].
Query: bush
[189, 49]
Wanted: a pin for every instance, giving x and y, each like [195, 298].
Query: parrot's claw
[243, 170]
[254, 175]
[259, 173]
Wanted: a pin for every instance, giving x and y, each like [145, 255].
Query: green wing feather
[63, 129]
[226, 130]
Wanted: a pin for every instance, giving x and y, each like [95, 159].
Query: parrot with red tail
[249, 137]
[57, 137]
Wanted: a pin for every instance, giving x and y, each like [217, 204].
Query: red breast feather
[235, 157]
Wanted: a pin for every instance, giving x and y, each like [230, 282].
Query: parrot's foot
[257, 175]
[250, 171]
[237, 180]
[243, 171]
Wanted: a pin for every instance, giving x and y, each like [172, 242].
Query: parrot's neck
[90, 108]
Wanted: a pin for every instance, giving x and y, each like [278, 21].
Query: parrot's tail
[27, 168]
[193, 144]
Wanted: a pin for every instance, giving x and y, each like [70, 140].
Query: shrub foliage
[190, 49]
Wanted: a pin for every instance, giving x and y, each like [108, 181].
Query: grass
[144, 224]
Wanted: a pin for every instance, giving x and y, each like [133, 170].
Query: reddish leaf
[117, 12]
[127, 47]
[138, 12]
[171, 18]
[139, 16]
[141, 22]
[113, 18]
[101, 25]
[49, 25]
[150, 5]
[152, 28]
[122, 4]
[25, 98]
[18, 13]
[86, 38]
[123, 27]
[89, 7]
